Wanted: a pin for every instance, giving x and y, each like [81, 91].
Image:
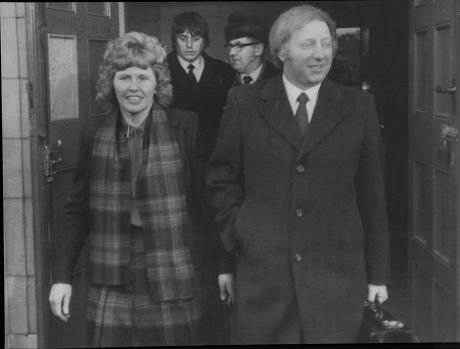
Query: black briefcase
[379, 326]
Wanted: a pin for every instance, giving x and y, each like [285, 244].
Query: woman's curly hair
[134, 50]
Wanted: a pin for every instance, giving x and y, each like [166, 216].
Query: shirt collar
[254, 75]
[293, 92]
[128, 130]
[198, 63]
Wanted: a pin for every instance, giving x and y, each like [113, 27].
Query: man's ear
[282, 54]
[259, 49]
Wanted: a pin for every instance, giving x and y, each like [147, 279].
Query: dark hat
[240, 25]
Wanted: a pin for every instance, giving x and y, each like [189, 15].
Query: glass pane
[64, 6]
[63, 77]
[96, 55]
[97, 8]
[420, 2]
[349, 39]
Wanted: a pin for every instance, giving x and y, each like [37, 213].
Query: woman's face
[135, 88]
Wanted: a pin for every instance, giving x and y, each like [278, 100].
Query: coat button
[300, 168]
[298, 257]
[299, 212]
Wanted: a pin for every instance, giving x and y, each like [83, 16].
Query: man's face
[244, 59]
[189, 46]
[308, 55]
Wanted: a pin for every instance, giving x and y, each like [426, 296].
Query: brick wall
[19, 273]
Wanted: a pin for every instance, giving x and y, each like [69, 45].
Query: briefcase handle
[384, 318]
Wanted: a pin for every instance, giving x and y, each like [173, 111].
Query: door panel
[434, 228]
[75, 35]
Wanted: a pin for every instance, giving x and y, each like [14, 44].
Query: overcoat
[306, 213]
[268, 71]
[207, 98]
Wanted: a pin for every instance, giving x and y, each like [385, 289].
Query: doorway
[383, 65]
[385, 70]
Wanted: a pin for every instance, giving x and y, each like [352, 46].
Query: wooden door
[74, 36]
[434, 169]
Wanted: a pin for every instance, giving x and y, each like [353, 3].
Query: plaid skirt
[124, 316]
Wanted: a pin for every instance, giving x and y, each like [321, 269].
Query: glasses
[238, 47]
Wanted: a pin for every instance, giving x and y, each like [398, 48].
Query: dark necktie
[247, 80]
[301, 114]
[190, 73]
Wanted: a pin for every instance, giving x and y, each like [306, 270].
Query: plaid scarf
[161, 199]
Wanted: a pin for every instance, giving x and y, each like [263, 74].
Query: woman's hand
[377, 293]
[226, 287]
[60, 299]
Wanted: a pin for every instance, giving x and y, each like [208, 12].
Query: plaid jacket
[71, 252]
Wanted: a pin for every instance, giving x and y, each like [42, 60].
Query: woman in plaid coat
[136, 194]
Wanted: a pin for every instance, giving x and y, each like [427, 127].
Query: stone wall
[19, 267]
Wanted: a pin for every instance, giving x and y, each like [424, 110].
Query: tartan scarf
[161, 199]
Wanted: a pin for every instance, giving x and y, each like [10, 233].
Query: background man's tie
[301, 114]
[247, 80]
[190, 73]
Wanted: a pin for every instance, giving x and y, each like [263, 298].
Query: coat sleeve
[71, 240]
[224, 176]
[371, 200]
[202, 219]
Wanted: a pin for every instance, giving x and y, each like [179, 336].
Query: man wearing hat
[246, 40]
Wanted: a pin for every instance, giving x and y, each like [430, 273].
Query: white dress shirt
[198, 63]
[293, 93]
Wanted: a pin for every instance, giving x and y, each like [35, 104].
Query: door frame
[36, 64]
[456, 205]
[37, 87]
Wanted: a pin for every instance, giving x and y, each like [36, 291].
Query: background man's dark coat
[207, 99]
[306, 215]
[268, 71]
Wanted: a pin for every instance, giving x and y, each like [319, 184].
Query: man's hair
[191, 22]
[294, 19]
[133, 50]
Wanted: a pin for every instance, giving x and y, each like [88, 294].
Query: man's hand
[226, 287]
[60, 299]
[377, 293]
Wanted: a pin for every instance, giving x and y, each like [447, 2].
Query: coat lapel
[208, 72]
[274, 107]
[329, 111]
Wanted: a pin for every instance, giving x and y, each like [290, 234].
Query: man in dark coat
[200, 84]
[246, 40]
[297, 183]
